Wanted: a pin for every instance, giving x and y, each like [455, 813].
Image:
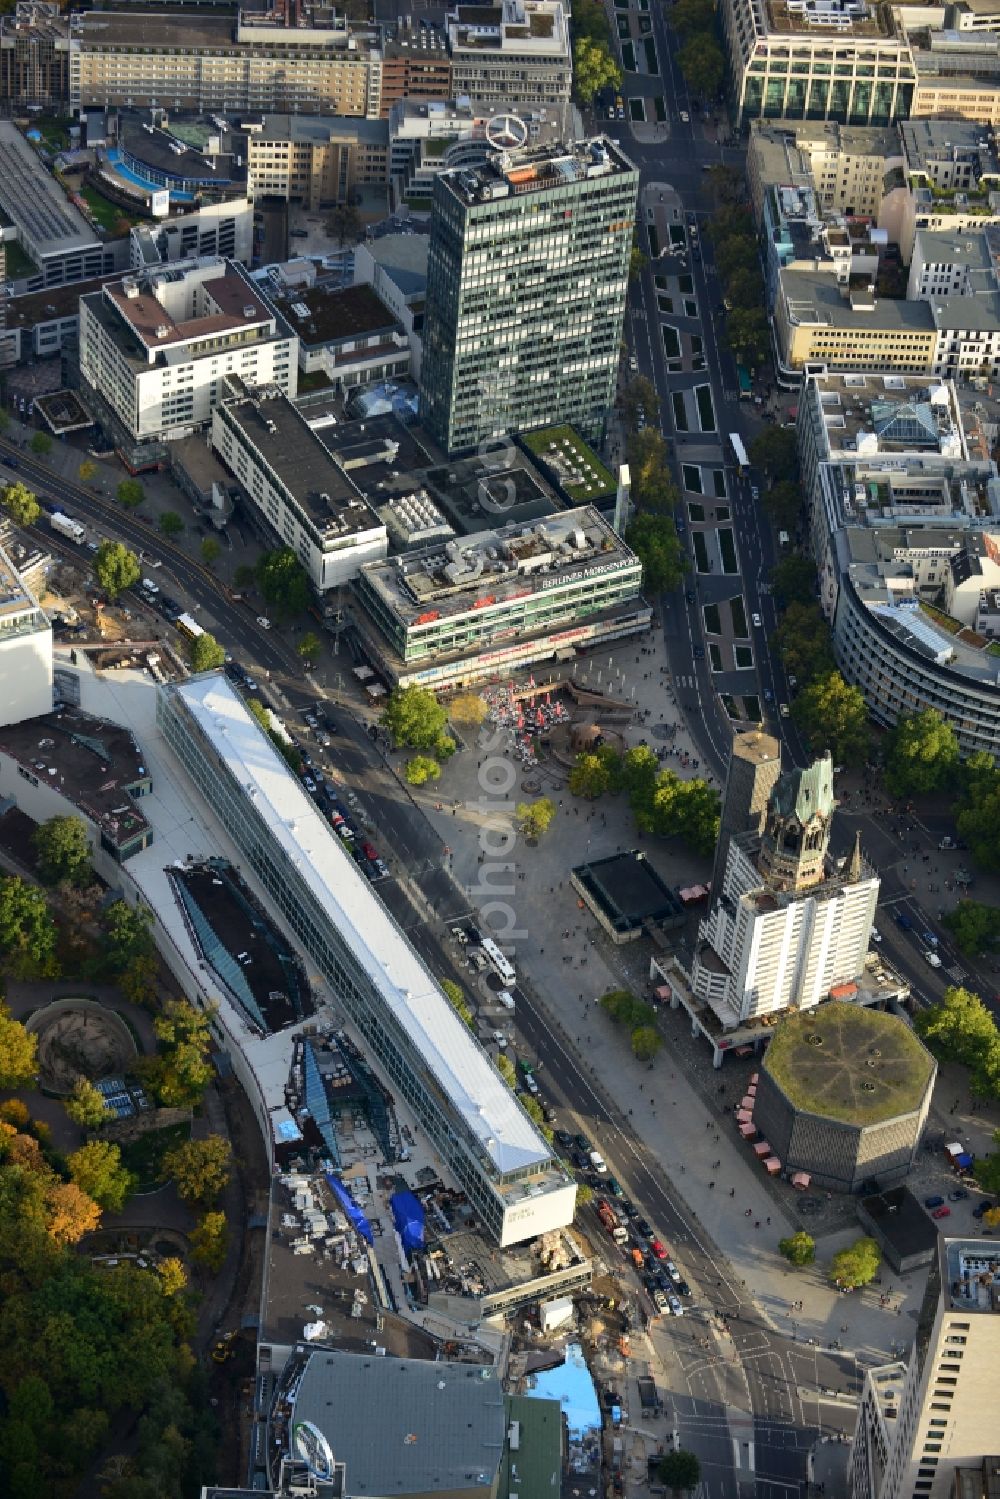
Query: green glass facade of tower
[527, 277]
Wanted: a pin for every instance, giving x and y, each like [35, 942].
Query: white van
[505, 998]
[598, 1163]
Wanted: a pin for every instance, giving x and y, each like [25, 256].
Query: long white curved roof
[472, 1086]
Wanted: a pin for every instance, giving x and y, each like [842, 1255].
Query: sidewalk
[675, 1107]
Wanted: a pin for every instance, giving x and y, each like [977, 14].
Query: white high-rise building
[789, 925]
[25, 650]
[154, 349]
[919, 1423]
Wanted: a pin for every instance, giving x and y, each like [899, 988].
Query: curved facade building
[904, 663]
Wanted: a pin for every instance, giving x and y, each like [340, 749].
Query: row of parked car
[340, 808]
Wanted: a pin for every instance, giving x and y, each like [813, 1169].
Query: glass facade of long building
[527, 276]
[847, 65]
[513, 1204]
[448, 604]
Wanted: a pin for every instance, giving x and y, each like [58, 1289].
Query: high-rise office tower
[754, 766]
[921, 1424]
[527, 274]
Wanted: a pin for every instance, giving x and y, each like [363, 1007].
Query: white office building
[25, 650]
[295, 483]
[155, 349]
[789, 927]
[473, 1120]
[921, 1427]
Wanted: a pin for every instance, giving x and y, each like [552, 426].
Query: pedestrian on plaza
[769, 1223]
[748, 1213]
[732, 1191]
[711, 1186]
[757, 1224]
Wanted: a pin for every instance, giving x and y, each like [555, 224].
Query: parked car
[564, 1139]
[981, 1208]
[933, 1202]
[643, 1229]
[959, 1195]
[672, 1271]
[263, 621]
[660, 1300]
[903, 921]
[682, 1288]
[943, 1212]
[757, 622]
[930, 939]
[685, 117]
[932, 958]
[659, 1249]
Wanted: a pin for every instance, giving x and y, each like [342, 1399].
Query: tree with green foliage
[20, 503]
[171, 524]
[199, 1168]
[534, 818]
[288, 752]
[653, 490]
[673, 808]
[798, 1248]
[468, 708]
[747, 330]
[126, 934]
[18, 1053]
[245, 576]
[639, 397]
[680, 1471]
[459, 1003]
[590, 19]
[857, 1265]
[536, 1113]
[920, 753]
[589, 777]
[130, 494]
[506, 1069]
[309, 645]
[86, 471]
[282, 581]
[41, 444]
[420, 769]
[743, 290]
[210, 1242]
[96, 1168]
[974, 926]
[626, 1010]
[27, 931]
[594, 69]
[343, 223]
[834, 716]
[637, 263]
[804, 643]
[692, 17]
[961, 1029]
[204, 652]
[86, 1106]
[987, 1169]
[783, 503]
[793, 580]
[735, 255]
[414, 718]
[62, 851]
[116, 568]
[211, 550]
[726, 183]
[775, 450]
[655, 542]
[978, 824]
[181, 1071]
[703, 65]
[646, 1042]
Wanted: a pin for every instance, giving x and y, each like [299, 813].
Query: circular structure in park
[843, 1093]
[79, 1038]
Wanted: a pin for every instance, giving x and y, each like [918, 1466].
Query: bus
[188, 627]
[739, 452]
[500, 965]
[745, 384]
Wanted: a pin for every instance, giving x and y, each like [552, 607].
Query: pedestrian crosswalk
[682, 681]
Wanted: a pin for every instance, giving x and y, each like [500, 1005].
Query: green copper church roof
[803, 794]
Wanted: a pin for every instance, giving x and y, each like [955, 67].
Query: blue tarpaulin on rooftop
[408, 1216]
[963, 1161]
[350, 1207]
